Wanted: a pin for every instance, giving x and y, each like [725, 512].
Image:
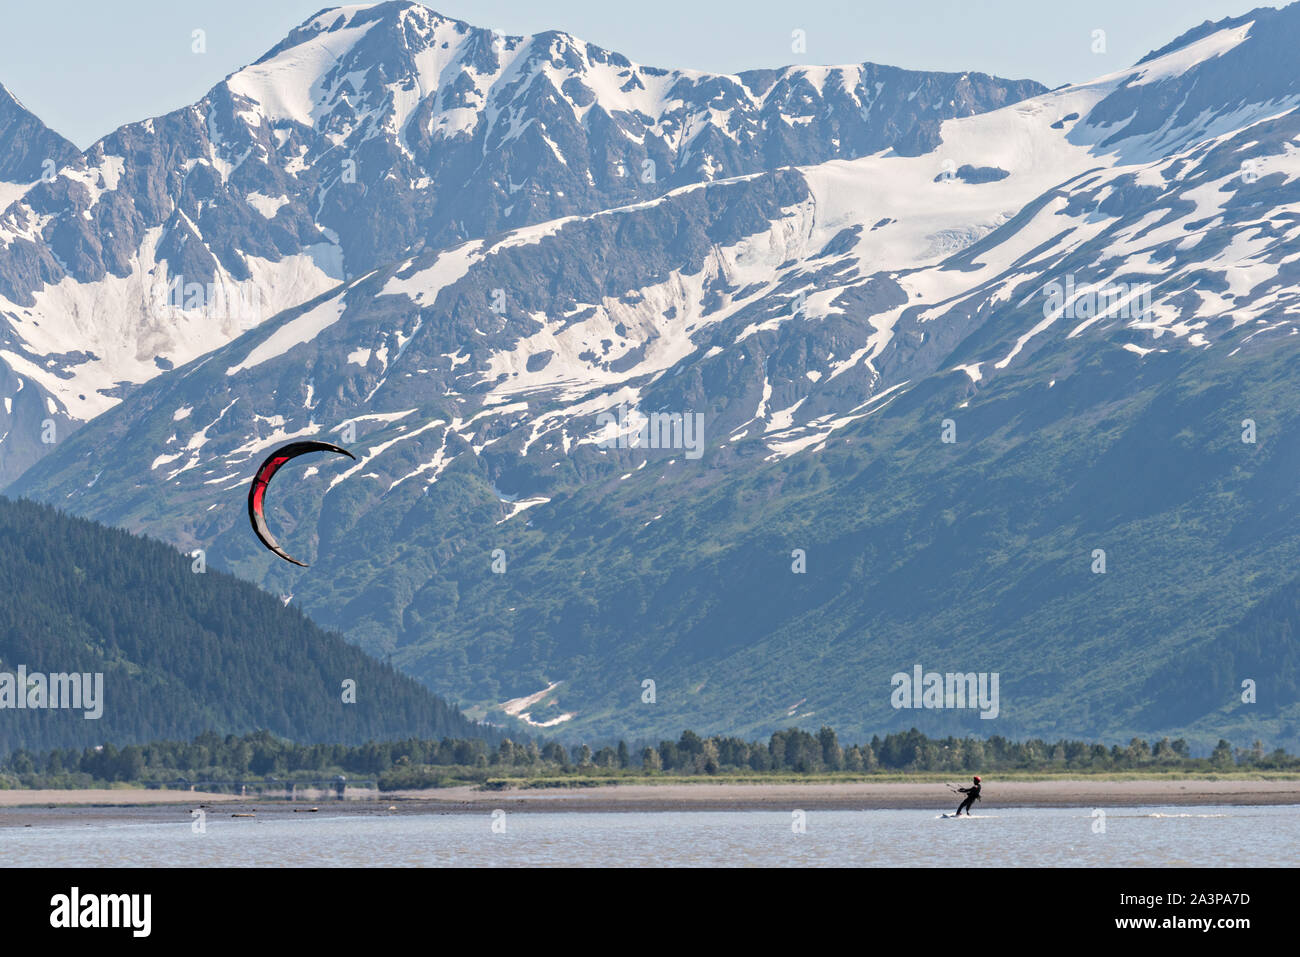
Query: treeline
[262, 758]
[799, 752]
[181, 652]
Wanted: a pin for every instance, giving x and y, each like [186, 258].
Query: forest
[183, 648]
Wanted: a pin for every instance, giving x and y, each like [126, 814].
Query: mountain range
[369, 133]
[759, 388]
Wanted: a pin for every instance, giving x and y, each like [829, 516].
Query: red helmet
[977, 779]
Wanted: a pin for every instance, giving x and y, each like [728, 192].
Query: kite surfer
[972, 795]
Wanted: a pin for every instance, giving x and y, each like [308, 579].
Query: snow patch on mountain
[297, 331]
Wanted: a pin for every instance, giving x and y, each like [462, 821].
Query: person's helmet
[977, 779]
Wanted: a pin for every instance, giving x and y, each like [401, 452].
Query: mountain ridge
[1079, 285]
[25, 145]
[368, 133]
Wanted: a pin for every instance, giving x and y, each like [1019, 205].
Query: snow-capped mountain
[785, 300]
[1118, 254]
[371, 132]
[29, 152]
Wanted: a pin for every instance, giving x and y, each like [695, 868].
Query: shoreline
[20, 808]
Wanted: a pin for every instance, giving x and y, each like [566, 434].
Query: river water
[1146, 836]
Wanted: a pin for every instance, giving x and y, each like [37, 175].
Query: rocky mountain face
[28, 149]
[1012, 398]
[367, 134]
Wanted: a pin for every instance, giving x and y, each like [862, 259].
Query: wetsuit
[972, 795]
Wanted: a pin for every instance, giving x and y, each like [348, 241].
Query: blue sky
[88, 66]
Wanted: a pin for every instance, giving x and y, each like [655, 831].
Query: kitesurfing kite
[265, 472]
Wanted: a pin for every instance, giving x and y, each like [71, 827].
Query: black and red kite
[265, 472]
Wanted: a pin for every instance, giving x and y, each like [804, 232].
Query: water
[1149, 836]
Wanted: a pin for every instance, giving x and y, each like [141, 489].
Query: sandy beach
[36, 808]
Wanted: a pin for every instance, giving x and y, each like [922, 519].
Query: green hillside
[975, 556]
[181, 652]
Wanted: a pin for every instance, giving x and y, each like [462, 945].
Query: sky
[86, 67]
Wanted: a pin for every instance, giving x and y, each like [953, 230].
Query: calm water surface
[1150, 836]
